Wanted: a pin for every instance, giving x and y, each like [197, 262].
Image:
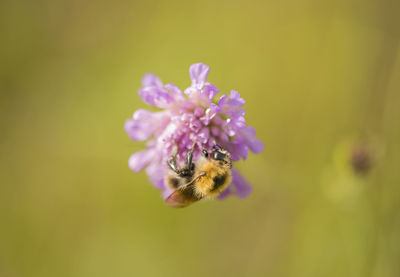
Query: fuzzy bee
[205, 178]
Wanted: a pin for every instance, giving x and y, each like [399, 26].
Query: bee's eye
[205, 153]
[218, 155]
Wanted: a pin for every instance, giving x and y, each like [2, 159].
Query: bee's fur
[216, 177]
[206, 178]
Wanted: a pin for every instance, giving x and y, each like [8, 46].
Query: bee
[204, 179]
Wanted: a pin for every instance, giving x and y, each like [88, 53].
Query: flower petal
[140, 159]
[198, 74]
[238, 150]
[236, 113]
[156, 96]
[235, 100]
[241, 149]
[233, 125]
[142, 115]
[151, 80]
[248, 136]
[145, 124]
[256, 146]
[227, 192]
[203, 135]
[210, 114]
[137, 130]
[195, 125]
[156, 173]
[222, 100]
[175, 91]
[242, 187]
[209, 91]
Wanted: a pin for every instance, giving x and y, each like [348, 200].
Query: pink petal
[137, 130]
[222, 100]
[248, 136]
[156, 96]
[175, 91]
[227, 192]
[144, 124]
[242, 187]
[209, 91]
[198, 74]
[151, 80]
[140, 159]
[235, 100]
[156, 173]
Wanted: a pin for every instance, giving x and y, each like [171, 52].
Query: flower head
[188, 117]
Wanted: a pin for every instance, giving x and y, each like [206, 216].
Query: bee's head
[219, 154]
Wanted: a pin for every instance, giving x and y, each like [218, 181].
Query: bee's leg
[189, 158]
[172, 164]
[172, 160]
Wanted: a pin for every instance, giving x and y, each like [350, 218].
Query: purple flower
[185, 118]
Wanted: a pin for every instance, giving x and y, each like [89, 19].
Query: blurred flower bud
[361, 159]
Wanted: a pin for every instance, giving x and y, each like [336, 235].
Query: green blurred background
[321, 79]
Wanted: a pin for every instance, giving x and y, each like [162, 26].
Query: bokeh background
[322, 85]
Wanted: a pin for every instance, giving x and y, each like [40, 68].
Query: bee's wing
[184, 196]
[178, 199]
